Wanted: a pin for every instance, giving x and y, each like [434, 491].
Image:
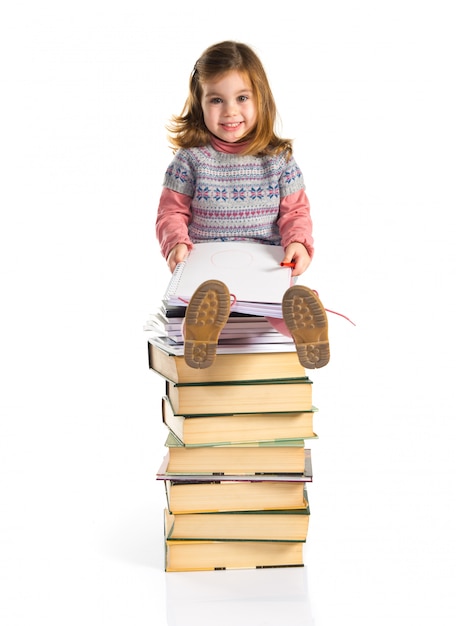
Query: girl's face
[229, 108]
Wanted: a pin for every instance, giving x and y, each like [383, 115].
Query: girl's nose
[231, 108]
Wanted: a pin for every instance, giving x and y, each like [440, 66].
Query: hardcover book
[226, 367]
[288, 457]
[273, 525]
[188, 556]
[166, 472]
[229, 495]
[238, 427]
[251, 396]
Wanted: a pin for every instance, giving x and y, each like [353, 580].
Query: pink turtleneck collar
[224, 146]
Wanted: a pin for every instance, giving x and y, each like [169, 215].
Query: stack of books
[236, 466]
[242, 333]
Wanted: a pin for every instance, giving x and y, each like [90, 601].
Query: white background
[366, 89]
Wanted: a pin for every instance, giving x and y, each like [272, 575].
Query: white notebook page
[251, 271]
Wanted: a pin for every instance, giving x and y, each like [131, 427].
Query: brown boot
[305, 317]
[205, 317]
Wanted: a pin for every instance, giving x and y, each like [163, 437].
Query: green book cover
[235, 383]
[259, 513]
[172, 441]
[244, 444]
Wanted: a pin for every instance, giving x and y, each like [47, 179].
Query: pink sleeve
[173, 217]
[295, 223]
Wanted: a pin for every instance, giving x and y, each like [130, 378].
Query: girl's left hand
[296, 253]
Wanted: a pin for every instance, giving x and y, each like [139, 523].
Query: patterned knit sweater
[231, 197]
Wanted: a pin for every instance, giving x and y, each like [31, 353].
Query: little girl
[233, 179]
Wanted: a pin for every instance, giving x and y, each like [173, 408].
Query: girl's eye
[216, 100]
[243, 98]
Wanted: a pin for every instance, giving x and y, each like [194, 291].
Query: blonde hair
[188, 129]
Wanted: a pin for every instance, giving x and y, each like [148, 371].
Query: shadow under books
[261, 597]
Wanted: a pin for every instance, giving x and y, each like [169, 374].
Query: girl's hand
[177, 255]
[296, 253]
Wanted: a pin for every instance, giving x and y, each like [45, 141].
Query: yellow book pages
[226, 367]
[238, 427]
[292, 395]
[191, 476]
[187, 556]
[237, 460]
[234, 496]
[240, 525]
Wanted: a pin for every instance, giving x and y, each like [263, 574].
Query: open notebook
[251, 271]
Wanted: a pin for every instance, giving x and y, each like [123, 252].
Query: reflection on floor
[262, 597]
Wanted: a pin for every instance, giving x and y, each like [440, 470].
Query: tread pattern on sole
[305, 318]
[206, 316]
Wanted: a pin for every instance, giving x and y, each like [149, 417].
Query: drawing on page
[232, 259]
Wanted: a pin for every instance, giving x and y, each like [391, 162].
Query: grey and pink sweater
[214, 193]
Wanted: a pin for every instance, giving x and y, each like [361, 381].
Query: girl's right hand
[177, 255]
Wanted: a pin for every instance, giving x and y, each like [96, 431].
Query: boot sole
[206, 315]
[305, 317]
